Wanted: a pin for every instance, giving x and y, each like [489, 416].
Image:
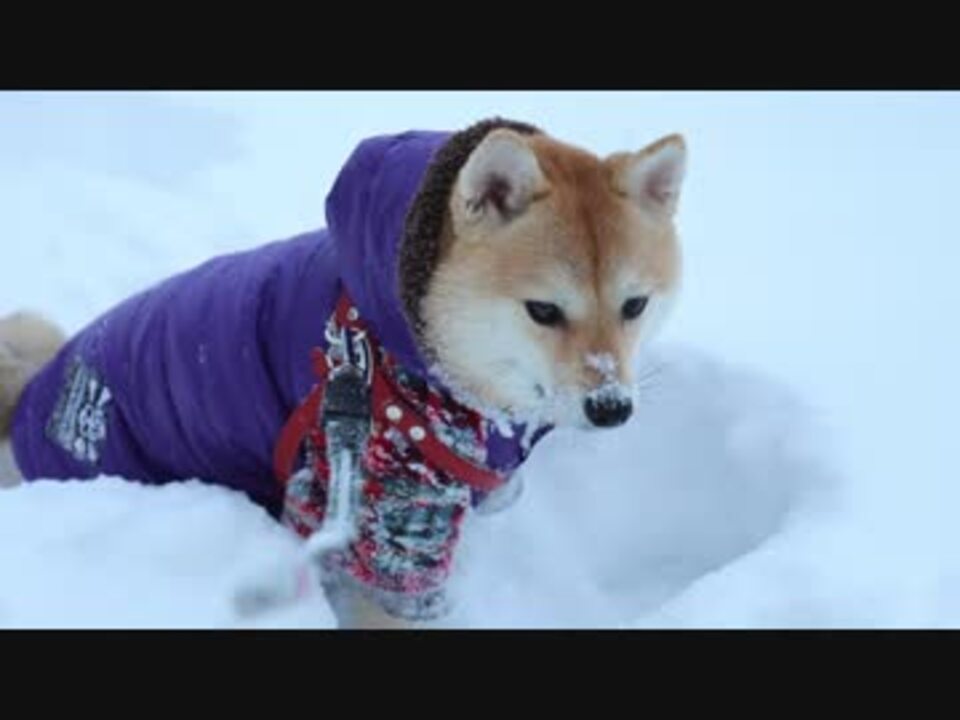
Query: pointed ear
[500, 178]
[653, 176]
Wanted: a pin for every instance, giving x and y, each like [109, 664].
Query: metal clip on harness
[345, 417]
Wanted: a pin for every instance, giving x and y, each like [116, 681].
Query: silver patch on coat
[79, 421]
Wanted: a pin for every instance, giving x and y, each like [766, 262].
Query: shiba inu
[487, 285]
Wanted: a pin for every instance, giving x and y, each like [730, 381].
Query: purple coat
[195, 377]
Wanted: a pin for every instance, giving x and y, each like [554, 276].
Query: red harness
[422, 467]
[390, 407]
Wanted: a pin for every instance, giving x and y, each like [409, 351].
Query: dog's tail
[27, 343]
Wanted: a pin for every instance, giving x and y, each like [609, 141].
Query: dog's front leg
[356, 612]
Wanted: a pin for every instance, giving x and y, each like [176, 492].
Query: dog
[487, 285]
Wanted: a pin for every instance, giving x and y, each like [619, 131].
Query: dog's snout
[608, 412]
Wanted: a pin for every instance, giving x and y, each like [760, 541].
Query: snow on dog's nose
[609, 404]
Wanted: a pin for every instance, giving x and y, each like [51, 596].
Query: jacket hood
[386, 215]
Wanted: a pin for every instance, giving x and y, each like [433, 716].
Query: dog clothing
[200, 376]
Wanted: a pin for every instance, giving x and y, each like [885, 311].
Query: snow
[790, 462]
[116, 554]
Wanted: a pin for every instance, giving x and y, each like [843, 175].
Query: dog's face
[556, 267]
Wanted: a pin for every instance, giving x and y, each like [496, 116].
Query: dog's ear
[652, 177]
[500, 178]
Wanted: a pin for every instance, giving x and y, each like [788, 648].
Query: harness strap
[389, 408]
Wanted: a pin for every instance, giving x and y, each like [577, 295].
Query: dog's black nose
[608, 412]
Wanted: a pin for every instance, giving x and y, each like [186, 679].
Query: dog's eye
[634, 307]
[544, 313]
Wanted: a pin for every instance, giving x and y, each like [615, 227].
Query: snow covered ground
[792, 465]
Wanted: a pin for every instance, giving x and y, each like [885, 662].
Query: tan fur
[9, 473]
[582, 238]
[27, 343]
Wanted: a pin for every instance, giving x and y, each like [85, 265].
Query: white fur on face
[658, 308]
[489, 351]
[654, 315]
[486, 350]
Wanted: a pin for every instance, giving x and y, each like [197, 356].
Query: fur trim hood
[386, 212]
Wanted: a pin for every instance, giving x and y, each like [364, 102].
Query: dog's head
[553, 268]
